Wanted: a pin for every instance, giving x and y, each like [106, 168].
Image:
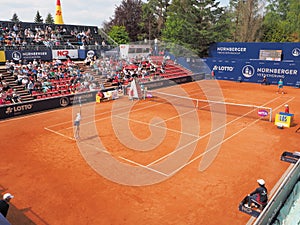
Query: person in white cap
[259, 195]
[4, 204]
[286, 108]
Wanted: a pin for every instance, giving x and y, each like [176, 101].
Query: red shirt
[287, 110]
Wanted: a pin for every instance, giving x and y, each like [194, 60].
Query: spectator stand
[25, 35]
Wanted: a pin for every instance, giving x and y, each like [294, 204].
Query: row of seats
[49, 95]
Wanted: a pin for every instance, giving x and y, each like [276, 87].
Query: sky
[74, 12]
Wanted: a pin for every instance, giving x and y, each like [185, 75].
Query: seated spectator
[2, 100]
[37, 85]
[87, 61]
[30, 86]
[5, 86]
[15, 97]
[7, 65]
[8, 95]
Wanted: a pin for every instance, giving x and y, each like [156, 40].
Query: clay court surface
[45, 169]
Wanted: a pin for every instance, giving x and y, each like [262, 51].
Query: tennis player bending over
[77, 125]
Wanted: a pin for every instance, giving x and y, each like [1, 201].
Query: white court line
[98, 114]
[157, 126]
[205, 135]
[220, 143]
[197, 157]
[102, 113]
[291, 99]
[145, 167]
[105, 151]
[102, 118]
[119, 109]
[59, 133]
[170, 129]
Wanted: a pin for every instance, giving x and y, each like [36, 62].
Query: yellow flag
[58, 14]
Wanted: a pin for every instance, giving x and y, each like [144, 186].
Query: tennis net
[229, 108]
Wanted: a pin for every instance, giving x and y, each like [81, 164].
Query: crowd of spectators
[45, 79]
[21, 36]
[7, 93]
[42, 79]
[120, 72]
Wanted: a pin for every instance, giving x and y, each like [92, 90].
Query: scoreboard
[272, 55]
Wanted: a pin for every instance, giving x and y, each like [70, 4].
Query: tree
[195, 24]
[247, 18]
[119, 34]
[148, 22]
[38, 18]
[129, 15]
[293, 18]
[49, 19]
[154, 17]
[15, 18]
[281, 23]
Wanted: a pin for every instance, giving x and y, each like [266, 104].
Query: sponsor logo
[262, 112]
[277, 71]
[90, 53]
[248, 71]
[232, 49]
[62, 53]
[9, 110]
[81, 98]
[16, 55]
[32, 54]
[64, 101]
[296, 52]
[19, 108]
[223, 68]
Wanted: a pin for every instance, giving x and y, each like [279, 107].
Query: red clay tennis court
[56, 180]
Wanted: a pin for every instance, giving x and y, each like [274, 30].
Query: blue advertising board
[29, 55]
[255, 70]
[83, 53]
[252, 50]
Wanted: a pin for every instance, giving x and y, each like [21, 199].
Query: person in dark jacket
[4, 204]
[259, 195]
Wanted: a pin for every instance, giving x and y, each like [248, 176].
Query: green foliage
[15, 18]
[38, 18]
[129, 15]
[49, 19]
[246, 17]
[282, 21]
[148, 22]
[119, 34]
[155, 12]
[195, 24]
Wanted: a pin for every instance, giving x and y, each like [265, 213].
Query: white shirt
[78, 117]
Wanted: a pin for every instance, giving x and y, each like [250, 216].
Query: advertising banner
[238, 50]
[170, 82]
[29, 55]
[12, 110]
[2, 57]
[82, 54]
[255, 70]
[64, 53]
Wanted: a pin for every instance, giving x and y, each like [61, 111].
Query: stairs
[25, 96]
